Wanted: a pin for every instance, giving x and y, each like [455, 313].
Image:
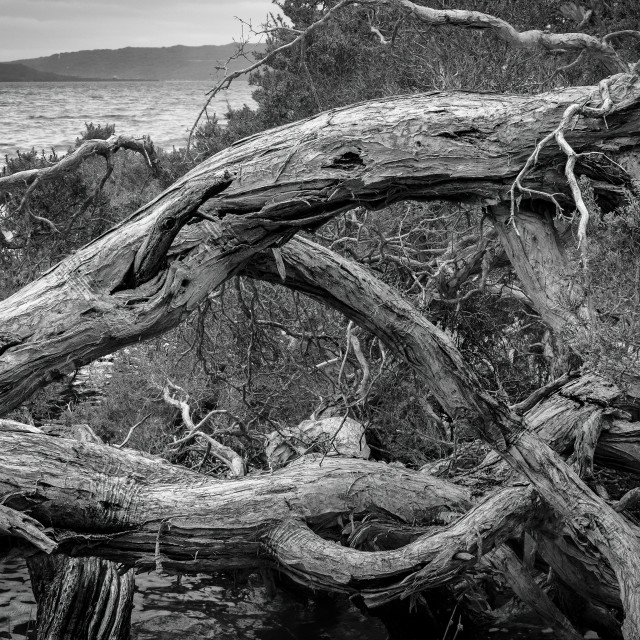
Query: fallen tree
[146, 275]
[272, 185]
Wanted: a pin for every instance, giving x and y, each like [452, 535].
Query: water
[48, 115]
[203, 607]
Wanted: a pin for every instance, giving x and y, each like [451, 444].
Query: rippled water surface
[49, 115]
[203, 607]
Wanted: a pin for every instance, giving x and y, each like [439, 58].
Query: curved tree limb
[132, 508]
[532, 39]
[334, 281]
[402, 148]
[429, 561]
[228, 456]
[72, 160]
[268, 187]
[32, 178]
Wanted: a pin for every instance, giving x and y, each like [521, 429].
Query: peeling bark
[81, 598]
[119, 289]
[438, 146]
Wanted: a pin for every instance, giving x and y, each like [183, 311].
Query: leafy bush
[96, 132]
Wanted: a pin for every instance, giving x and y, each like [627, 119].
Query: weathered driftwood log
[121, 288]
[128, 507]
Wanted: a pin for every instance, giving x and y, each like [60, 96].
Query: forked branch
[569, 120]
[223, 453]
[33, 178]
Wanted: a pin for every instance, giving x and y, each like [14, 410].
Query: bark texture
[119, 288]
[127, 507]
[81, 598]
[146, 275]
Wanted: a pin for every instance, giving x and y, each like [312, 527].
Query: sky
[35, 28]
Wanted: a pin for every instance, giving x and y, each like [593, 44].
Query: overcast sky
[34, 28]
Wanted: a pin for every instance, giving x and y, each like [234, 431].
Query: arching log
[351, 289]
[132, 508]
[119, 288]
[122, 288]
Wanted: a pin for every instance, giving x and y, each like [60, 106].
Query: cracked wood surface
[439, 146]
[431, 146]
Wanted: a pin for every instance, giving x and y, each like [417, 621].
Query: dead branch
[133, 428]
[533, 39]
[225, 83]
[20, 525]
[569, 120]
[74, 159]
[225, 454]
[33, 178]
[543, 392]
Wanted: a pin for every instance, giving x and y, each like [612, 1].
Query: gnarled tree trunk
[144, 277]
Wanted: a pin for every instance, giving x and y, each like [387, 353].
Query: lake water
[213, 607]
[202, 607]
[48, 115]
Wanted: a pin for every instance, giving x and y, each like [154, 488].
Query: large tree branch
[132, 508]
[119, 288]
[269, 186]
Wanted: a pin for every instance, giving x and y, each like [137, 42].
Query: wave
[53, 115]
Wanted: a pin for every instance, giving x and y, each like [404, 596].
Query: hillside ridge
[17, 72]
[178, 62]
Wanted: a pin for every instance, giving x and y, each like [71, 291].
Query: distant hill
[14, 72]
[143, 63]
